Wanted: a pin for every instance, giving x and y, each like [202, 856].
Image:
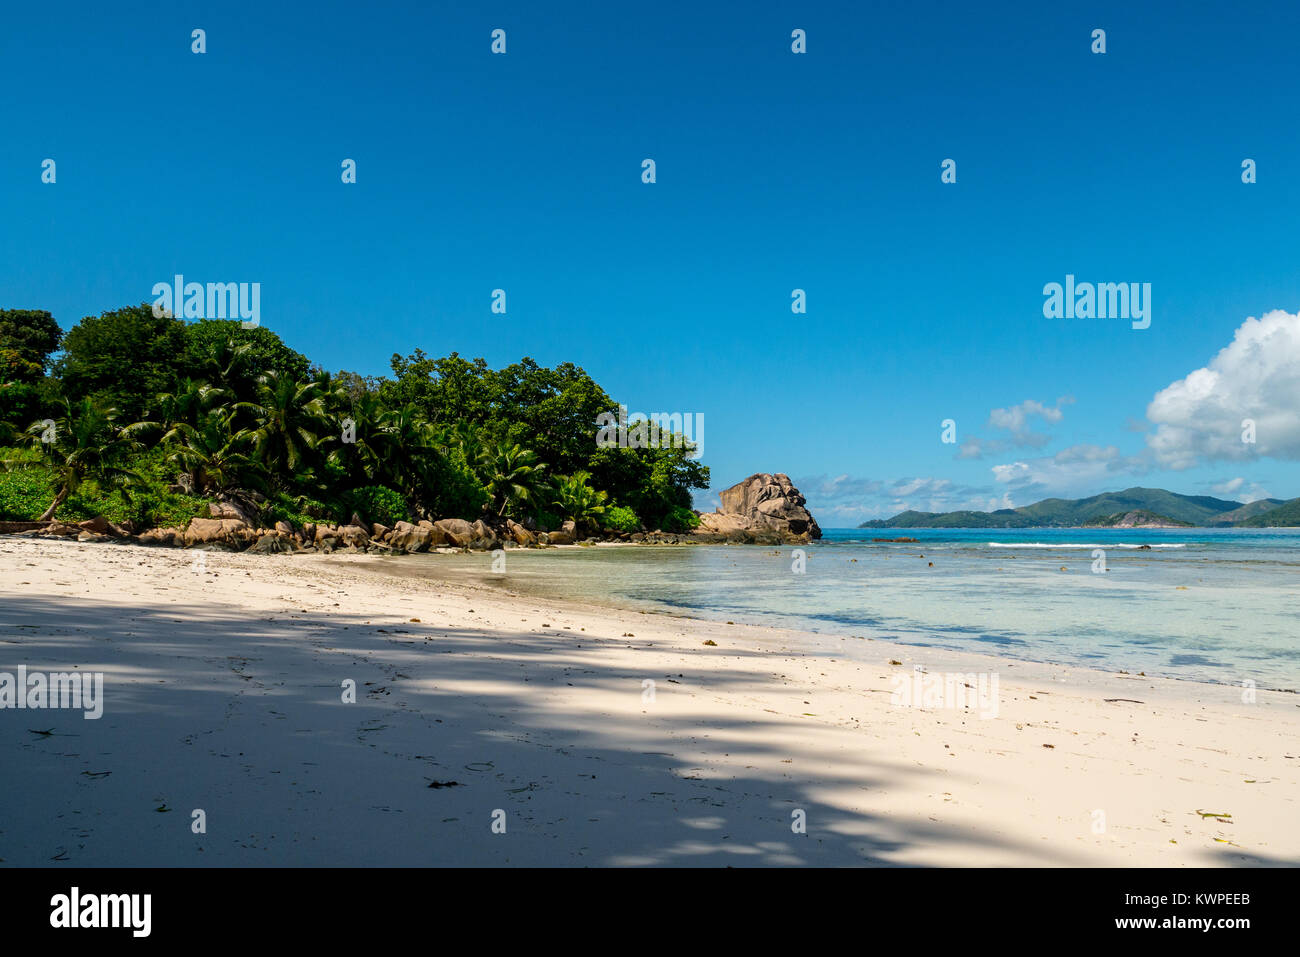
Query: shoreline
[535, 706]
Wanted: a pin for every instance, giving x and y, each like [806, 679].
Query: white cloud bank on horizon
[1078, 471]
[1256, 376]
[845, 501]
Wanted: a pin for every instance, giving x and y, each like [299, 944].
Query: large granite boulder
[521, 535]
[412, 538]
[763, 508]
[220, 531]
[458, 531]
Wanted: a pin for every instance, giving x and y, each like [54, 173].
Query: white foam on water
[1075, 545]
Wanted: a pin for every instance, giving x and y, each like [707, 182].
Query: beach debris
[415, 620]
[43, 734]
[444, 784]
[628, 634]
[104, 774]
[1222, 817]
[711, 642]
[1129, 700]
[1049, 746]
[894, 661]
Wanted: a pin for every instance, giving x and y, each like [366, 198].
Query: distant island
[1131, 508]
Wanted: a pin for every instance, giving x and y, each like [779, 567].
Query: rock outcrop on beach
[765, 508]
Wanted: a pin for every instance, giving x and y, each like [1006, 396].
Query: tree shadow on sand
[242, 718]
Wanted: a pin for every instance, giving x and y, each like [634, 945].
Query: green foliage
[123, 358]
[547, 521]
[375, 503]
[146, 404]
[510, 476]
[651, 482]
[290, 420]
[679, 519]
[223, 351]
[82, 443]
[576, 499]
[299, 510]
[620, 518]
[26, 485]
[31, 334]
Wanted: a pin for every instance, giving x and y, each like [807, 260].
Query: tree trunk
[54, 506]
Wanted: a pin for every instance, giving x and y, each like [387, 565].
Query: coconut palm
[191, 400]
[510, 475]
[82, 443]
[290, 420]
[214, 454]
[576, 499]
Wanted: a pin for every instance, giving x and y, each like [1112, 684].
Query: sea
[1218, 605]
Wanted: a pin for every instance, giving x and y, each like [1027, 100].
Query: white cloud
[1257, 376]
[1077, 470]
[1015, 420]
[846, 501]
[1232, 489]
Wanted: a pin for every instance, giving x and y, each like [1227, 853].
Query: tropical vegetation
[145, 419]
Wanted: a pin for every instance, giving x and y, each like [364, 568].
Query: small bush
[620, 518]
[26, 487]
[680, 519]
[299, 510]
[376, 503]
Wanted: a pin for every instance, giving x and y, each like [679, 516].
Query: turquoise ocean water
[1205, 604]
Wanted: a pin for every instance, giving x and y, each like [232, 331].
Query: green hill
[1073, 513]
[1285, 515]
[1138, 518]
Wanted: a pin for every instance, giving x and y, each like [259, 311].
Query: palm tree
[576, 499]
[188, 403]
[213, 453]
[509, 474]
[290, 418]
[81, 444]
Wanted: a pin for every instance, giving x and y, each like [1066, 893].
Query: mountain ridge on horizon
[1203, 511]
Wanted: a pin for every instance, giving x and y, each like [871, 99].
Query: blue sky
[775, 171]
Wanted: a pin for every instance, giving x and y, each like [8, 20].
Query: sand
[503, 730]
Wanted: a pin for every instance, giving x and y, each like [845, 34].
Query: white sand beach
[222, 692]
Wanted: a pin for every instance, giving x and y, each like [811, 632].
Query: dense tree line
[160, 414]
